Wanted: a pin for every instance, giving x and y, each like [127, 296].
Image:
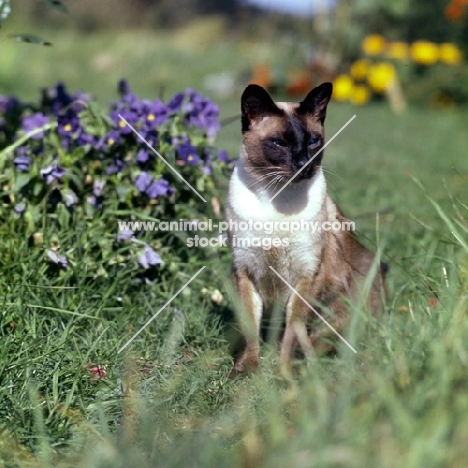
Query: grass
[166, 400]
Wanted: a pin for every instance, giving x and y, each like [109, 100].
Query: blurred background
[396, 54]
[162, 46]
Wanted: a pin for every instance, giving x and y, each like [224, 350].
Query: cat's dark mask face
[280, 138]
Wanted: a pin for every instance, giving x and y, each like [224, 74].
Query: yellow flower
[373, 44]
[424, 52]
[360, 95]
[450, 54]
[342, 87]
[359, 69]
[381, 76]
[397, 50]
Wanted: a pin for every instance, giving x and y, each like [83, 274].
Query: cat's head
[280, 138]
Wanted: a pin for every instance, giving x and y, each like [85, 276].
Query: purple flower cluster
[202, 113]
[127, 115]
[148, 118]
[75, 153]
[66, 109]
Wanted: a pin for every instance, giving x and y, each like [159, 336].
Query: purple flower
[223, 156]
[146, 184]
[8, 104]
[156, 114]
[115, 167]
[111, 139]
[67, 125]
[175, 104]
[159, 188]
[79, 101]
[125, 235]
[208, 167]
[56, 98]
[70, 198]
[151, 136]
[52, 172]
[57, 259]
[95, 201]
[202, 113]
[130, 117]
[143, 181]
[98, 187]
[22, 163]
[84, 139]
[35, 122]
[206, 118]
[142, 155]
[149, 258]
[187, 152]
[20, 208]
[96, 198]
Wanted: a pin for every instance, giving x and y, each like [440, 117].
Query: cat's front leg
[295, 333]
[249, 314]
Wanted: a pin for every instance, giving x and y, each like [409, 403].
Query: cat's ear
[315, 103]
[255, 104]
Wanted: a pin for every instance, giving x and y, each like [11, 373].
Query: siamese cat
[325, 267]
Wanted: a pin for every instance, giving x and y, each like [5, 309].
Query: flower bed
[67, 157]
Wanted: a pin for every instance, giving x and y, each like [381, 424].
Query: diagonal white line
[315, 155]
[316, 313]
[161, 309]
[157, 154]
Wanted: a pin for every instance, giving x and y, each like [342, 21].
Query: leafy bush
[68, 160]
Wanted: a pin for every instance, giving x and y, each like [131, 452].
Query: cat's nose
[300, 162]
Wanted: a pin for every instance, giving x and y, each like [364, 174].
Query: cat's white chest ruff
[283, 235]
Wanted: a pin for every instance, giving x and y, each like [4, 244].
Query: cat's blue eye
[279, 143]
[313, 142]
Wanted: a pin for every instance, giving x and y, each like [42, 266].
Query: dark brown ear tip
[326, 87]
[253, 89]
[253, 86]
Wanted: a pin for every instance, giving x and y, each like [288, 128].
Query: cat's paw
[249, 362]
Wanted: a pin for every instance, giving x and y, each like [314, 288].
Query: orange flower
[453, 11]
[262, 75]
[299, 84]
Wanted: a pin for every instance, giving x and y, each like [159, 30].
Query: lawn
[69, 399]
